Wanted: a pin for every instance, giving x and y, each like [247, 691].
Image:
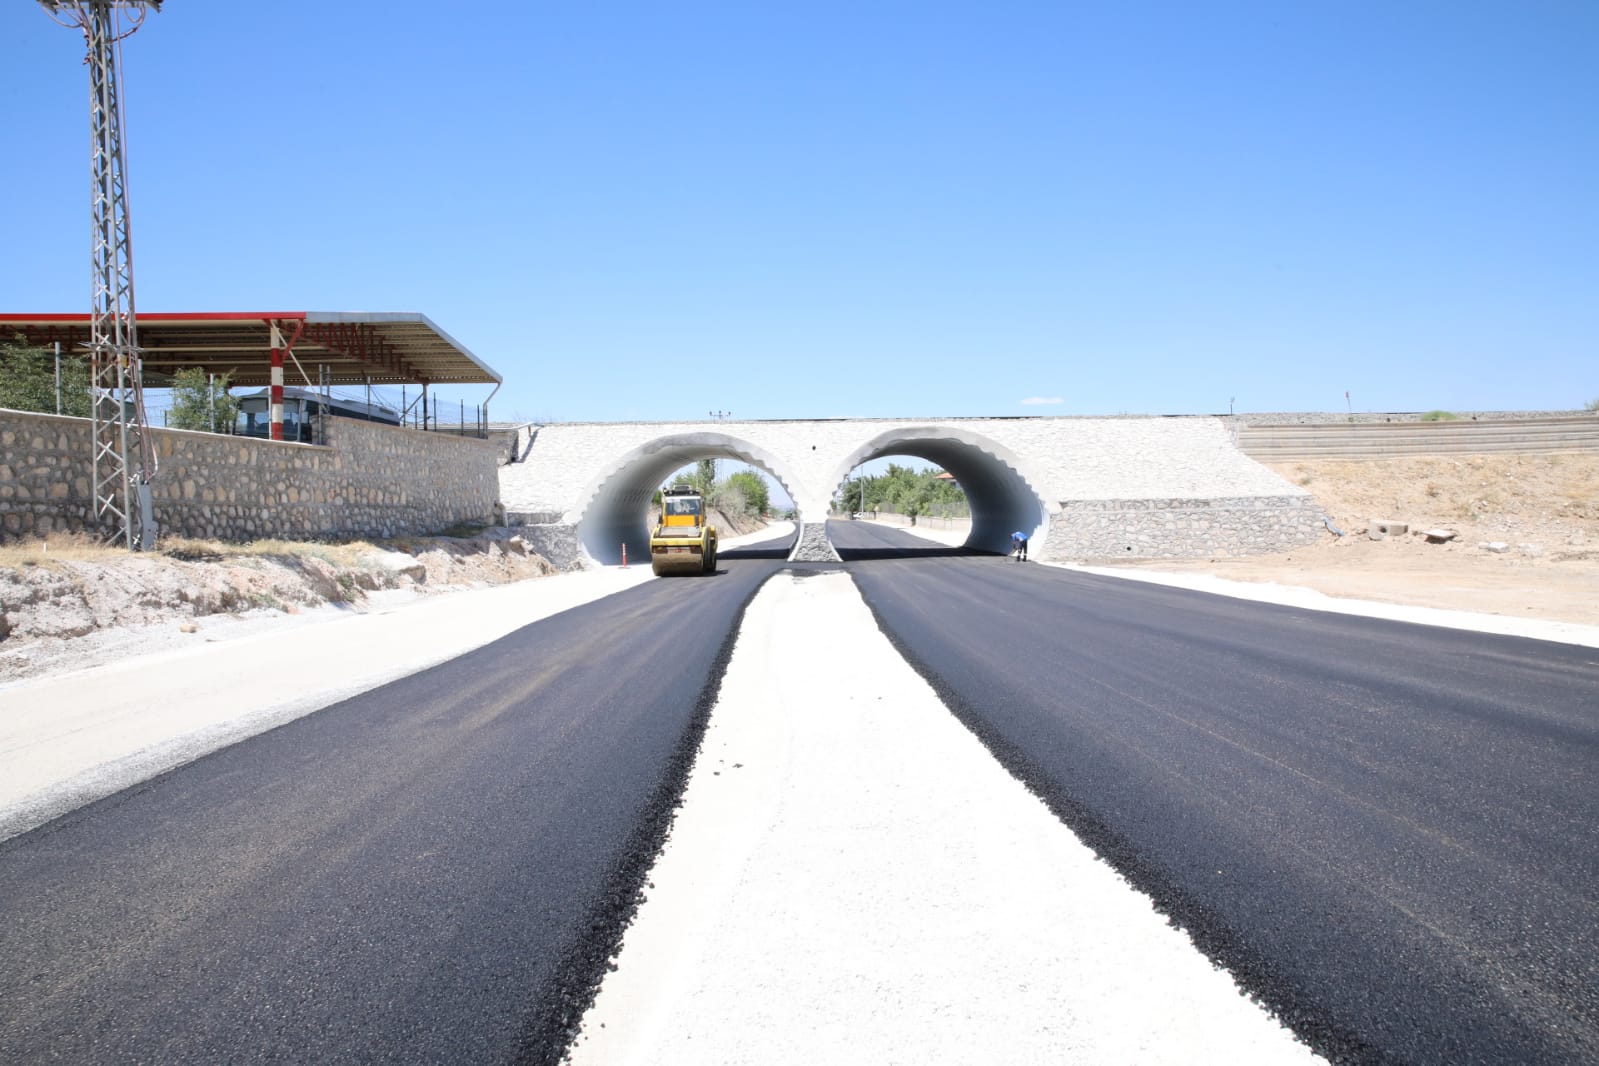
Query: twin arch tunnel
[616, 510]
[598, 480]
[1080, 487]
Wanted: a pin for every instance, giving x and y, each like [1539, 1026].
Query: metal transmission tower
[124, 458]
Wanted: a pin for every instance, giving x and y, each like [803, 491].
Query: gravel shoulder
[851, 877]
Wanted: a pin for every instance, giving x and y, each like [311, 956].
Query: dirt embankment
[1525, 534]
[70, 600]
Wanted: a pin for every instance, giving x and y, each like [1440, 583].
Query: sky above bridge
[659, 211]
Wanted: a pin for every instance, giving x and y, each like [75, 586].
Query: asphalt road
[1388, 832]
[434, 871]
[1385, 831]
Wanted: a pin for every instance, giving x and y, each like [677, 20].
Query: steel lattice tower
[124, 460]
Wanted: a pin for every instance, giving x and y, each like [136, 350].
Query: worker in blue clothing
[1018, 546]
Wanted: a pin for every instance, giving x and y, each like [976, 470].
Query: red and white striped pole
[277, 383]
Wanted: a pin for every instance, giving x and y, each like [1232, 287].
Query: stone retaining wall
[556, 541]
[370, 480]
[1182, 529]
[1164, 529]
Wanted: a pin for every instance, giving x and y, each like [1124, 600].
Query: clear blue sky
[653, 211]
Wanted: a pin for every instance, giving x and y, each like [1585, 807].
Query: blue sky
[655, 211]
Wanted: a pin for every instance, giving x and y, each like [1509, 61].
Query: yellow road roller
[683, 543]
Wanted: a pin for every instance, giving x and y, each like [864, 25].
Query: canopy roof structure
[356, 347]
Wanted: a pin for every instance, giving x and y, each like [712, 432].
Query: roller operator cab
[683, 543]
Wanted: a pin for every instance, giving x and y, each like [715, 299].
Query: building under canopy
[324, 347]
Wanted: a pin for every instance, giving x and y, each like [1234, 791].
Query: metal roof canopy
[357, 347]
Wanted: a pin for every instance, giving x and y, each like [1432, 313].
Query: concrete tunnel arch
[997, 484]
[616, 504]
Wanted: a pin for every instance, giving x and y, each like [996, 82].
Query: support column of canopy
[279, 350]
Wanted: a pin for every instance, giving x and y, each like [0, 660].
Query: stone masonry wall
[370, 480]
[1182, 529]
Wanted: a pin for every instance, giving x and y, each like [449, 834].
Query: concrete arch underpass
[617, 508]
[1001, 499]
[617, 512]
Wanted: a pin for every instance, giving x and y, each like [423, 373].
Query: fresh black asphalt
[1388, 832]
[433, 872]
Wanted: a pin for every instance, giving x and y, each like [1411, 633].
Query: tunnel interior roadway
[616, 513]
[1001, 499]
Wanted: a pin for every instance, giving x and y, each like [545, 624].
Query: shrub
[201, 402]
[28, 380]
[754, 489]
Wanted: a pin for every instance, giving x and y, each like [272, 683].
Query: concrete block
[1381, 528]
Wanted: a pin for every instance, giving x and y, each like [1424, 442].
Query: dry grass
[57, 548]
[342, 554]
[1455, 487]
[60, 548]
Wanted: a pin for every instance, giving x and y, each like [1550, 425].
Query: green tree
[909, 496]
[945, 498]
[705, 475]
[28, 380]
[201, 402]
[728, 498]
[905, 491]
[754, 488]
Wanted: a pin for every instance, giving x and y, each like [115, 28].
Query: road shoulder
[851, 877]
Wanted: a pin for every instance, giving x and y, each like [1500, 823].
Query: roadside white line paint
[852, 878]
